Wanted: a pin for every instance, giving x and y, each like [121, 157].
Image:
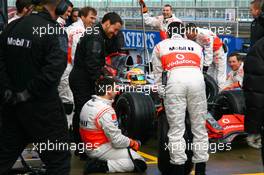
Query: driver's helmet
[136, 76]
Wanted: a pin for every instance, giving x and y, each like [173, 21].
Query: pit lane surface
[240, 160]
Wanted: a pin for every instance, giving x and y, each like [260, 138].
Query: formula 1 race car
[139, 105]
[140, 111]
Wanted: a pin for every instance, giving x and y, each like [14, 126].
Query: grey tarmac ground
[241, 159]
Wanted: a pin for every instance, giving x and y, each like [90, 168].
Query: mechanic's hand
[254, 141]
[205, 69]
[134, 144]
[142, 3]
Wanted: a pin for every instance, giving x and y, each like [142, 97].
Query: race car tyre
[136, 113]
[163, 152]
[211, 88]
[228, 102]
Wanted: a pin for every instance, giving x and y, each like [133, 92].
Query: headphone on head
[61, 7]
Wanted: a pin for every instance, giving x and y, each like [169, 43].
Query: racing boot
[200, 168]
[94, 165]
[140, 166]
[177, 170]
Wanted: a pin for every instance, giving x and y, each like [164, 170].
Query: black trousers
[35, 122]
[82, 88]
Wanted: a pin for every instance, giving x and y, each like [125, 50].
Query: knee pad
[140, 165]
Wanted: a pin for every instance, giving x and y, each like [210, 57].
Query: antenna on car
[146, 53]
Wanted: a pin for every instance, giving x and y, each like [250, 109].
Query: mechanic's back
[31, 66]
[176, 63]
[26, 49]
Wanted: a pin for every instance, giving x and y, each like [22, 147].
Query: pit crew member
[177, 66]
[215, 57]
[23, 7]
[67, 13]
[30, 70]
[99, 127]
[74, 31]
[160, 22]
[88, 62]
[235, 77]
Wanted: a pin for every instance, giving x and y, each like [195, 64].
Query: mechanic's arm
[208, 43]
[109, 124]
[149, 20]
[55, 64]
[94, 60]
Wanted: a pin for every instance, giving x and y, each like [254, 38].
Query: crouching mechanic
[176, 64]
[99, 129]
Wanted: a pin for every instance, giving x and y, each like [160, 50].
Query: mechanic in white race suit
[215, 58]
[75, 31]
[179, 60]
[160, 22]
[99, 129]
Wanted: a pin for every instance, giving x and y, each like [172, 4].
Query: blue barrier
[134, 39]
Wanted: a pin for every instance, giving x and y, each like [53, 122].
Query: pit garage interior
[236, 158]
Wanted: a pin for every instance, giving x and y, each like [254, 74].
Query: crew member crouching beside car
[99, 127]
[235, 77]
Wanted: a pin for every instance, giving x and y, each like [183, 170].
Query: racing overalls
[99, 131]
[215, 56]
[74, 31]
[185, 88]
[160, 23]
[235, 78]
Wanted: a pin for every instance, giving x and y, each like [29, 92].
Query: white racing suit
[74, 31]
[235, 78]
[185, 89]
[160, 23]
[99, 128]
[215, 56]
